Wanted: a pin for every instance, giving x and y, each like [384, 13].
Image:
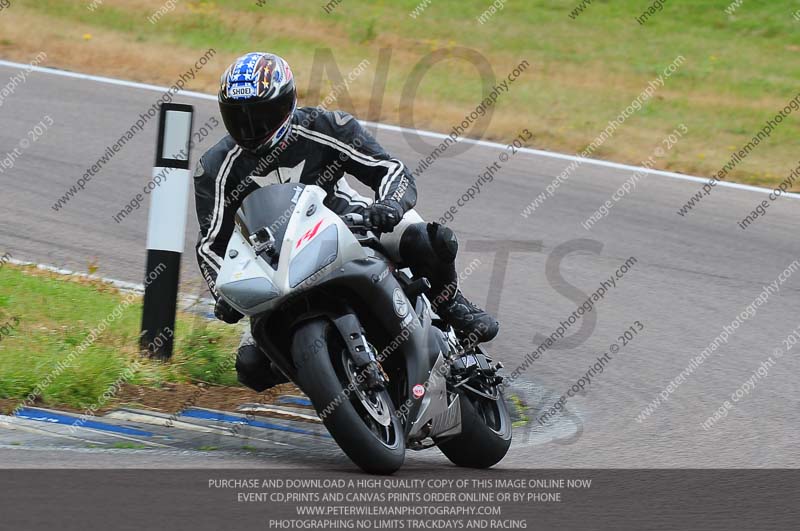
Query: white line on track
[159, 420]
[120, 284]
[395, 128]
[187, 301]
[28, 426]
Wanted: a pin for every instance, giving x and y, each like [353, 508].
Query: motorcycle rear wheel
[485, 432]
[364, 425]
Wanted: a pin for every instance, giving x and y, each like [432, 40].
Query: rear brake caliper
[475, 365]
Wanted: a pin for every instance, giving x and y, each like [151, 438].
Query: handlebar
[356, 221]
[353, 218]
[364, 232]
[361, 227]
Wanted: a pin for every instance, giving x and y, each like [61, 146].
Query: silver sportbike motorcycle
[358, 336]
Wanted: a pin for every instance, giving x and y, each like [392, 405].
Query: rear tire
[485, 433]
[320, 358]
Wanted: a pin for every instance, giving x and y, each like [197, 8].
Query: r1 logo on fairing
[309, 235]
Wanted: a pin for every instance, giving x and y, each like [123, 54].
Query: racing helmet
[257, 99]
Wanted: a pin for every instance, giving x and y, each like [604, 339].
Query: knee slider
[444, 242]
[252, 368]
[249, 359]
[415, 244]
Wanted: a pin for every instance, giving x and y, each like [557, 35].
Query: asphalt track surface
[692, 276]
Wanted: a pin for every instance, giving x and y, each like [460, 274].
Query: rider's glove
[383, 215]
[224, 312]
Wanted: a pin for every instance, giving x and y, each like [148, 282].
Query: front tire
[485, 432]
[322, 366]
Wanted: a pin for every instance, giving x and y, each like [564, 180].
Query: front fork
[361, 352]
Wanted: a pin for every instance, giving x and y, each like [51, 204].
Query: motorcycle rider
[270, 140]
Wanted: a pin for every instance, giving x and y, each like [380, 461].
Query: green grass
[520, 410]
[128, 446]
[57, 314]
[208, 448]
[740, 68]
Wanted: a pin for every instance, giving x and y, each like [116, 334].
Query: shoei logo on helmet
[418, 391]
[241, 91]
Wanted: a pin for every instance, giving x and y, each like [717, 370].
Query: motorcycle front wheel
[363, 424]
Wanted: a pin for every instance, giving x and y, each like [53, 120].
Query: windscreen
[271, 207]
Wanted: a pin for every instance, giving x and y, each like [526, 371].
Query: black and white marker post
[166, 228]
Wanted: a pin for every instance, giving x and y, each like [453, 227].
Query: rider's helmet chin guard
[257, 99]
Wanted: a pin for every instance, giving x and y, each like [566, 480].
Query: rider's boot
[470, 322]
[254, 369]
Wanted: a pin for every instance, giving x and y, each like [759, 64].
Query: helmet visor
[251, 124]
